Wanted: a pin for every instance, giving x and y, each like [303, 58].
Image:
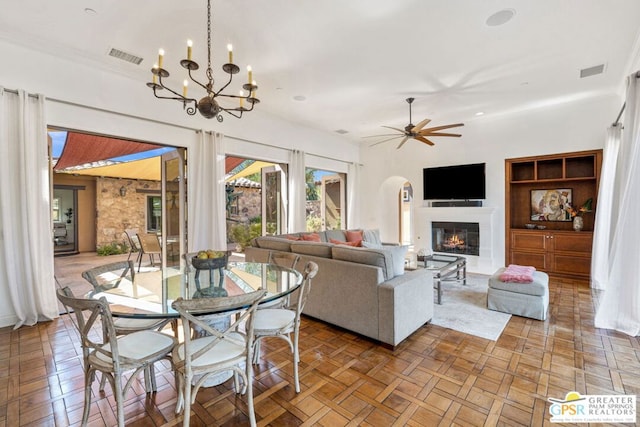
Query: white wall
[82, 97]
[579, 125]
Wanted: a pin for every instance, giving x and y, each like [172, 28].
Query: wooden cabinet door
[528, 241]
[572, 242]
[539, 260]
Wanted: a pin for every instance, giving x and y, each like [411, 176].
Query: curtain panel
[297, 192]
[26, 253]
[619, 308]
[604, 214]
[206, 194]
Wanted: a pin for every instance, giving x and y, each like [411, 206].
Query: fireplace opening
[456, 237]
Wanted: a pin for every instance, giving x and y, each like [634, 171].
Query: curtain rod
[623, 106]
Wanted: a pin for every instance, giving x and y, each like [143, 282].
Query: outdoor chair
[282, 322]
[113, 355]
[149, 245]
[134, 244]
[220, 350]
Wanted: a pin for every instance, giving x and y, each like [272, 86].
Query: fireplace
[456, 237]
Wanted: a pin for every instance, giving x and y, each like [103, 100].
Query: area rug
[464, 309]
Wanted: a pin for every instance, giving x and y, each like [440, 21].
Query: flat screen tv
[459, 182]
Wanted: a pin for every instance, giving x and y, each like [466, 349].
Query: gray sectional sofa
[363, 289]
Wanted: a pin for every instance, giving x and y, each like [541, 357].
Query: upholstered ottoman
[522, 299]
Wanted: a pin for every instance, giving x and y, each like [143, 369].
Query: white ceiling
[356, 61]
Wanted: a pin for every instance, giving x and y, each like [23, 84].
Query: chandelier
[208, 106]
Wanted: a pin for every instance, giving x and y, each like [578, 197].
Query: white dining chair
[217, 351]
[282, 322]
[113, 355]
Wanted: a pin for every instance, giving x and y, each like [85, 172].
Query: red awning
[81, 148]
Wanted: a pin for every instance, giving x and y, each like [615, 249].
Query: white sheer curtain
[297, 192]
[207, 203]
[26, 253]
[604, 213]
[353, 188]
[620, 305]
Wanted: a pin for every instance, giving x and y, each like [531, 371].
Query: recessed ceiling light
[500, 17]
[300, 98]
[342, 131]
[480, 113]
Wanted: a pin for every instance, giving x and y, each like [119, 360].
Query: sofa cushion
[370, 245]
[274, 243]
[397, 253]
[321, 249]
[372, 236]
[377, 257]
[335, 234]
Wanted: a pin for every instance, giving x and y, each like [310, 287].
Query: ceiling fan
[417, 132]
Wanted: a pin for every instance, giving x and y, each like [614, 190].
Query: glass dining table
[150, 295]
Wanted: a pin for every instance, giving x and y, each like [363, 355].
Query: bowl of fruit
[209, 259]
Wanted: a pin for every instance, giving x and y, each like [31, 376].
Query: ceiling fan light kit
[208, 106]
[417, 132]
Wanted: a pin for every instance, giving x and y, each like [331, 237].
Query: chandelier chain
[209, 71]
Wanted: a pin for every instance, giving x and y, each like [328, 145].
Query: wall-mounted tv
[459, 182]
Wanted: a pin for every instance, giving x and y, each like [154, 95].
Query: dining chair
[113, 355]
[149, 245]
[282, 322]
[283, 259]
[134, 244]
[220, 350]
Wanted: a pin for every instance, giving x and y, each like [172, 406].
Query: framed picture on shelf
[551, 205]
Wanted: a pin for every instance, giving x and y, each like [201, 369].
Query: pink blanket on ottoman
[517, 274]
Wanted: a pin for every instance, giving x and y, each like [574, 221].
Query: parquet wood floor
[437, 377]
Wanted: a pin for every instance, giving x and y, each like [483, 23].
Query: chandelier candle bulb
[189, 49]
[241, 98]
[160, 56]
[250, 73]
[230, 48]
[184, 88]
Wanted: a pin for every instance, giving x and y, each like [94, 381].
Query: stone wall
[115, 213]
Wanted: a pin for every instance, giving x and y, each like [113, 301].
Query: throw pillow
[311, 237]
[340, 242]
[354, 235]
[292, 237]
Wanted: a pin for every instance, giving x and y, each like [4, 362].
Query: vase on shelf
[578, 223]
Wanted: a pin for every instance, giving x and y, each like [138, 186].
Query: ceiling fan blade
[420, 125]
[405, 139]
[423, 139]
[399, 130]
[385, 140]
[423, 131]
[440, 134]
[386, 134]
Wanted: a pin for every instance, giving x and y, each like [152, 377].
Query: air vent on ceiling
[342, 131]
[591, 71]
[117, 53]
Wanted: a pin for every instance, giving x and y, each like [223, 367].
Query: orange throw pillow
[291, 237]
[311, 237]
[354, 236]
[340, 242]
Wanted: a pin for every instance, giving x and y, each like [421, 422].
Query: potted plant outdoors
[576, 214]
